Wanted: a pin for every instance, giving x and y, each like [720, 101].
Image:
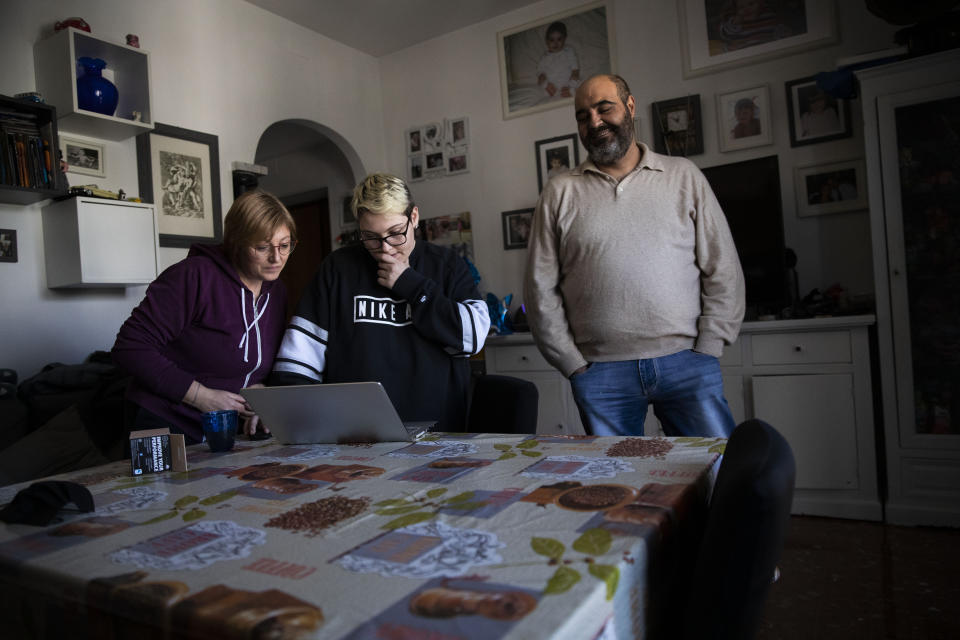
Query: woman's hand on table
[205, 399]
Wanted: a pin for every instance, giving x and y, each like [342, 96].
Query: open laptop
[332, 413]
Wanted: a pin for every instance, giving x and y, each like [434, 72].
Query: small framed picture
[831, 188]
[555, 156]
[8, 245]
[743, 119]
[414, 141]
[516, 228]
[415, 167]
[458, 160]
[457, 131]
[346, 213]
[83, 156]
[677, 127]
[814, 115]
[435, 164]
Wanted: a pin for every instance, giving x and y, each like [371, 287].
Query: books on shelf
[26, 159]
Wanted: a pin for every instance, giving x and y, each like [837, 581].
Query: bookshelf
[56, 73]
[29, 171]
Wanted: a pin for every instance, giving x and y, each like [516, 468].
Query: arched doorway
[311, 169]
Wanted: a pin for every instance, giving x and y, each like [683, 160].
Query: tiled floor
[853, 579]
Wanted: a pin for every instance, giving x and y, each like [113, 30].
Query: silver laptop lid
[332, 413]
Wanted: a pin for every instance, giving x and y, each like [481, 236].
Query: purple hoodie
[199, 322]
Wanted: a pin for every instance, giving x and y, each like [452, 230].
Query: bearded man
[633, 283]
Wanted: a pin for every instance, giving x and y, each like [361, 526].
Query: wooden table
[459, 536]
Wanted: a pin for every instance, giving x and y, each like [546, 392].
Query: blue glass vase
[94, 92]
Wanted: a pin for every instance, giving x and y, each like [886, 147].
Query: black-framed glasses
[393, 239]
[265, 249]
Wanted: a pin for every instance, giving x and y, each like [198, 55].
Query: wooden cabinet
[911, 114]
[810, 379]
[94, 242]
[24, 122]
[127, 67]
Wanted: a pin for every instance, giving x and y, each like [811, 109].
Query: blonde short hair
[254, 217]
[382, 194]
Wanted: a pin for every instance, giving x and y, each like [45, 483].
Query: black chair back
[503, 404]
[746, 526]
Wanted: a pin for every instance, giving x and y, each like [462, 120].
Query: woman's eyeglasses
[393, 239]
[264, 250]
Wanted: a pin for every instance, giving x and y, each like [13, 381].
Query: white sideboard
[810, 379]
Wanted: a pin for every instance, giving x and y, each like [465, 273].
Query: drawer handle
[524, 358]
[798, 348]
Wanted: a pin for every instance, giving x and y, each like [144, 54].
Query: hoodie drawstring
[245, 340]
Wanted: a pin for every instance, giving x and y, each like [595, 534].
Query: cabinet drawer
[802, 348]
[521, 358]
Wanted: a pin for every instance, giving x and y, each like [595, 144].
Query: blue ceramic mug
[220, 429]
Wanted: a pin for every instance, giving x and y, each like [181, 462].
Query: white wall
[218, 66]
[457, 75]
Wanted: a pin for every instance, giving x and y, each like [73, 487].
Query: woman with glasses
[392, 309]
[210, 324]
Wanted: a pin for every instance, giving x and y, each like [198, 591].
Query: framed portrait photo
[179, 171]
[413, 140]
[555, 156]
[677, 127]
[543, 62]
[720, 34]
[814, 115]
[516, 228]
[457, 131]
[830, 188]
[8, 245]
[83, 156]
[743, 119]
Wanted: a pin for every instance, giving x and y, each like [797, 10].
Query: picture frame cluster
[436, 149]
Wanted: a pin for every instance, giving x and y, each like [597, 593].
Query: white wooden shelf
[56, 58]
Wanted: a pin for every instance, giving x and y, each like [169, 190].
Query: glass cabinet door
[921, 166]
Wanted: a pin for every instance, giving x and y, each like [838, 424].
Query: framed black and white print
[555, 156]
[84, 156]
[8, 245]
[516, 228]
[179, 171]
[814, 115]
[677, 127]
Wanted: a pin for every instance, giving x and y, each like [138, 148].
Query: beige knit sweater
[637, 269]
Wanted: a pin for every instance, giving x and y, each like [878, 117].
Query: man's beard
[605, 152]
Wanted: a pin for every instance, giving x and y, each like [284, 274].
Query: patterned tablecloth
[459, 536]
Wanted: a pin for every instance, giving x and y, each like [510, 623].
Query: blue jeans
[686, 390]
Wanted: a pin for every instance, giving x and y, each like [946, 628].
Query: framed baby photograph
[543, 62]
[830, 188]
[814, 115]
[677, 127]
[743, 119]
[83, 156]
[720, 34]
[555, 156]
[516, 228]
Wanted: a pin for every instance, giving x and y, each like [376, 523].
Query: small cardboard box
[156, 450]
